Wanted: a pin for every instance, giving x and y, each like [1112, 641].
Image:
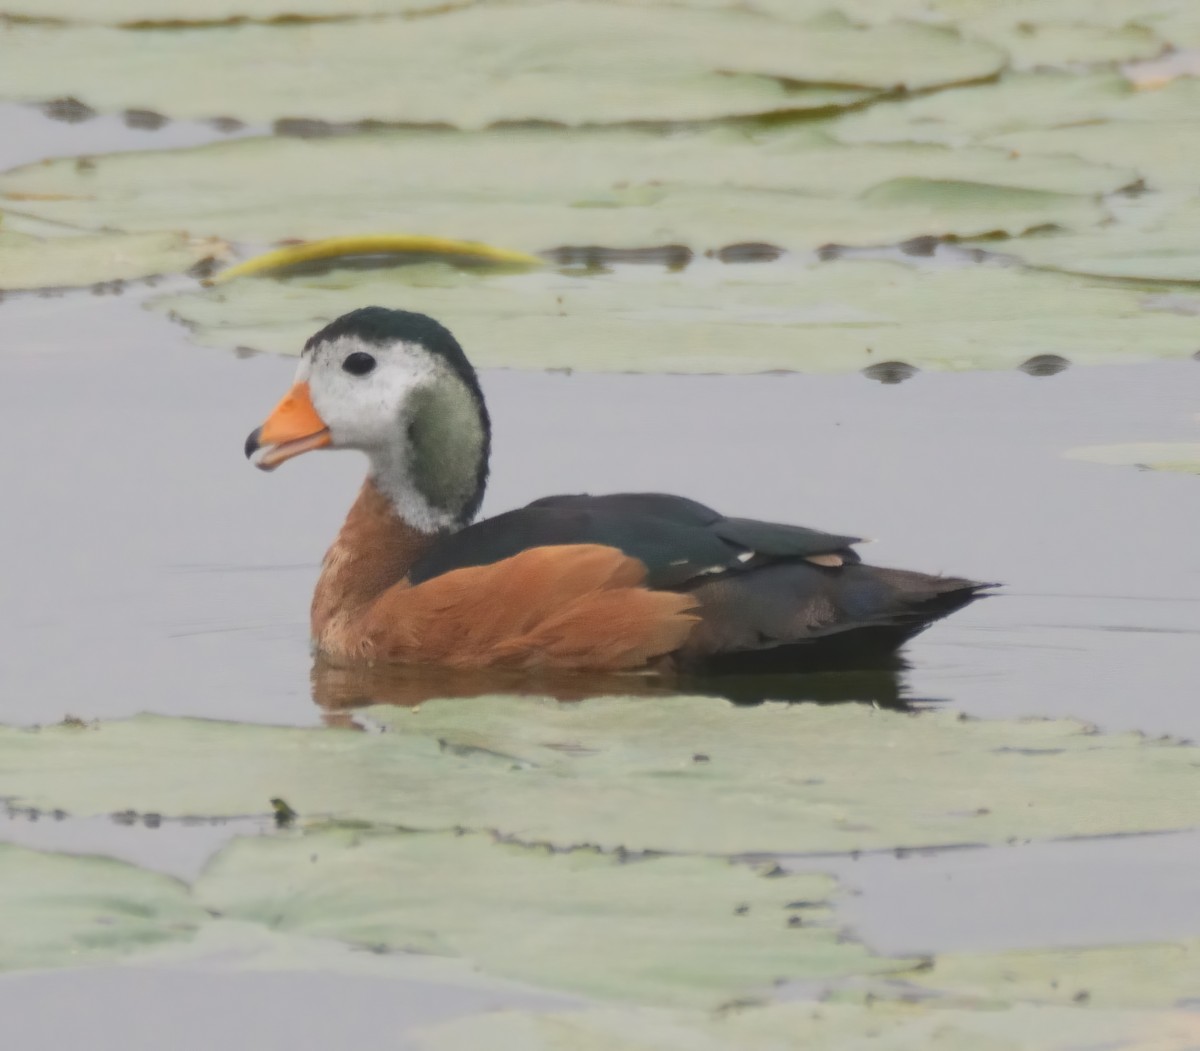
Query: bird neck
[373, 551]
[436, 469]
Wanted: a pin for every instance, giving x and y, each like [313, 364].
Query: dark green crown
[380, 326]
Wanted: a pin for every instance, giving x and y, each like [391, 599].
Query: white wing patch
[829, 561]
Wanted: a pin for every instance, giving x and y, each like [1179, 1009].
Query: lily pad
[624, 772]
[28, 262]
[1051, 45]
[1160, 456]
[61, 910]
[827, 317]
[887, 1026]
[1126, 976]
[250, 946]
[188, 12]
[1165, 153]
[1040, 34]
[1180, 25]
[1170, 254]
[536, 188]
[569, 62]
[1044, 102]
[1152, 238]
[667, 930]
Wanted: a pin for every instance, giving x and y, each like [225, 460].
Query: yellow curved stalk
[374, 244]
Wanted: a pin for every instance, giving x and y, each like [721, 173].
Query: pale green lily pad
[1159, 456]
[862, 12]
[881, 1026]
[1050, 45]
[1125, 976]
[1047, 103]
[1154, 237]
[569, 62]
[623, 772]
[1108, 13]
[1171, 254]
[1180, 25]
[61, 910]
[250, 947]
[667, 930]
[28, 262]
[829, 317]
[1059, 33]
[1165, 153]
[151, 12]
[534, 189]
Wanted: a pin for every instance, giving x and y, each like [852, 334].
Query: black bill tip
[253, 442]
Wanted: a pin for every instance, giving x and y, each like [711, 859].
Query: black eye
[359, 363]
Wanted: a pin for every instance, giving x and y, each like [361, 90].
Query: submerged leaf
[61, 910]
[622, 772]
[829, 317]
[1160, 456]
[659, 930]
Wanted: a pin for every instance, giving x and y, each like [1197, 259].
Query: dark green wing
[678, 540]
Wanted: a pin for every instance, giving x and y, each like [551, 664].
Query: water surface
[147, 567]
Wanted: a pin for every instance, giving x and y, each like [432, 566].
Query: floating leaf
[1049, 45]
[240, 947]
[662, 930]
[1161, 456]
[1179, 24]
[1166, 251]
[535, 189]
[1165, 153]
[570, 62]
[886, 1026]
[28, 262]
[1127, 976]
[1154, 237]
[830, 317]
[1046, 102]
[62, 911]
[623, 772]
[188, 12]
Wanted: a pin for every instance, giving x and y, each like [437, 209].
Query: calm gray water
[147, 567]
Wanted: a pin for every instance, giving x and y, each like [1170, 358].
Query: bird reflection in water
[340, 689]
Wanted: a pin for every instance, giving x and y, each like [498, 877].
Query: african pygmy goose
[624, 581]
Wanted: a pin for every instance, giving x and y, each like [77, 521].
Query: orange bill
[294, 427]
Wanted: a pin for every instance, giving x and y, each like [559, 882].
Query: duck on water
[628, 581]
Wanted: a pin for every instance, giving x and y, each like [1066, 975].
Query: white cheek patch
[365, 412]
[368, 413]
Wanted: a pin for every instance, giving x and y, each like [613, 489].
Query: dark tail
[797, 616]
